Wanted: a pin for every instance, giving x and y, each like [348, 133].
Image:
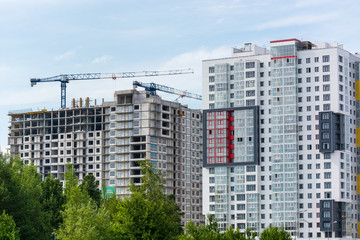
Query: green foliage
[82, 218]
[91, 187]
[53, 200]
[210, 231]
[32, 209]
[8, 230]
[274, 233]
[71, 180]
[85, 221]
[74, 195]
[147, 213]
[21, 195]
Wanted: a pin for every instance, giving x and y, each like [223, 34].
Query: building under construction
[108, 140]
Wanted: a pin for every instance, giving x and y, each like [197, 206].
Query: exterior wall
[109, 140]
[310, 80]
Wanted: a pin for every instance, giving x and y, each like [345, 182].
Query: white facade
[293, 175]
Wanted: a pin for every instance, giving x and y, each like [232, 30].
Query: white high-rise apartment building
[280, 139]
[108, 140]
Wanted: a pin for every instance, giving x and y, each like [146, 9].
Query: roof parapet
[249, 49]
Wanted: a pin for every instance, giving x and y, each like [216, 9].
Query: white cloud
[102, 59]
[220, 20]
[30, 95]
[308, 3]
[296, 21]
[6, 69]
[193, 60]
[65, 55]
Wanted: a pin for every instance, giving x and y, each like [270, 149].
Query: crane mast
[66, 78]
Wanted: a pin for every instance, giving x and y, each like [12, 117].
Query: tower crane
[66, 78]
[153, 87]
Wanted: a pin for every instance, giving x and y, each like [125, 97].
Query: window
[211, 69]
[211, 79]
[240, 206]
[316, 59]
[326, 135]
[250, 65]
[250, 102]
[240, 197]
[250, 74]
[326, 68]
[250, 93]
[250, 168]
[327, 165]
[326, 58]
[326, 107]
[326, 87]
[326, 204]
[340, 68]
[340, 78]
[326, 78]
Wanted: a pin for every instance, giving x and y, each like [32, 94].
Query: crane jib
[65, 78]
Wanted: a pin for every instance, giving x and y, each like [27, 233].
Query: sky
[44, 38]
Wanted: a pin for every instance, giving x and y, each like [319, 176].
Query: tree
[91, 187]
[147, 213]
[208, 231]
[8, 229]
[74, 195]
[71, 181]
[82, 218]
[211, 231]
[85, 221]
[53, 200]
[274, 233]
[20, 196]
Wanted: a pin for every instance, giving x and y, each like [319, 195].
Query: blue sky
[42, 38]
